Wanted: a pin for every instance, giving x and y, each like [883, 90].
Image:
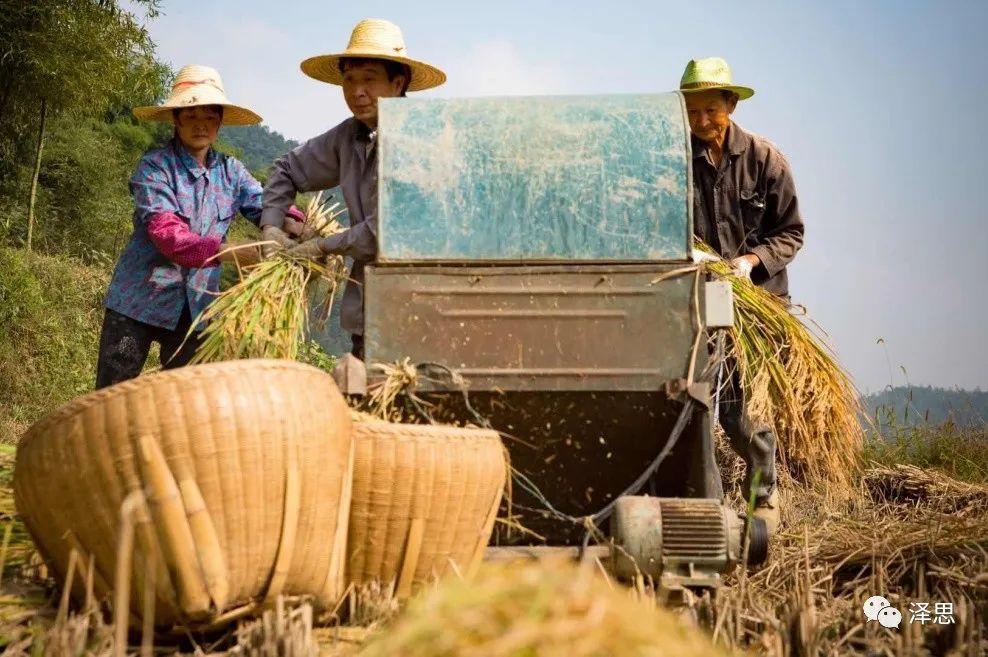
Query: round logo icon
[890, 617]
[873, 605]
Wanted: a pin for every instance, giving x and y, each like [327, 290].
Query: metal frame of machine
[581, 343]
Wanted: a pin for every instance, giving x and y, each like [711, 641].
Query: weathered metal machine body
[535, 248]
[536, 328]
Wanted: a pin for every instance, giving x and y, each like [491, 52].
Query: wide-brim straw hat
[711, 73]
[196, 86]
[374, 38]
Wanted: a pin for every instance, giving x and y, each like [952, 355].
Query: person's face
[197, 127]
[363, 84]
[709, 113]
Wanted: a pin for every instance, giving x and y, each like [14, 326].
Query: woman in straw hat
[374, 65]
[185, 196]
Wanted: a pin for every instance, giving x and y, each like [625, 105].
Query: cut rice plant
[793, 382]
[546, 608]
[266, 314]
[400, 378]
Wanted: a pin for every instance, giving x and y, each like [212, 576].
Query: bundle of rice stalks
[906, 537]
[400, 378]
[792, 381]
[322, 219]
[539, 609]
[266, 314]
[921, 486]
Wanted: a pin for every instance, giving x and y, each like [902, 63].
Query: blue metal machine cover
[555, 178]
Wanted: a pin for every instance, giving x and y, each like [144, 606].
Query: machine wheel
[757, 541]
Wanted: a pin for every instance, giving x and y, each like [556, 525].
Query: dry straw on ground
[266, 314]
[904, 536]
[793, 380]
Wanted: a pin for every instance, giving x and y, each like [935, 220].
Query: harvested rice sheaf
[793, 381]
[539, 609]
[266, 314]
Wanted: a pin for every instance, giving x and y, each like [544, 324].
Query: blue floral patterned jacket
[146, 285]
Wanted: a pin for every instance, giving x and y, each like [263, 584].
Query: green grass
[961, 452]
[312, 353]
[51, 311]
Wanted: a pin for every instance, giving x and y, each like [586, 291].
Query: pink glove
[294, 222]
[176, 241]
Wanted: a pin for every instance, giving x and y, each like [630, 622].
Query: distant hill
[914, 405]
[257, 145]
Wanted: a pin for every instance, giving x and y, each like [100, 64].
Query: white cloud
[259, 66]
[500, 68]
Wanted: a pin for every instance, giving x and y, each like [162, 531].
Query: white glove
[742, 267]
[276, 239]
[699, 257]
[309, 250]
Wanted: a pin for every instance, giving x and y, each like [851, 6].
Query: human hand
[243, 254]
[744, 265]
[308, 250]
[294, 223]
[275, 239]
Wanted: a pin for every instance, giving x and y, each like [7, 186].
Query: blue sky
[879, 106]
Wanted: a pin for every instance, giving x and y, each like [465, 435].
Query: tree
[68, 57]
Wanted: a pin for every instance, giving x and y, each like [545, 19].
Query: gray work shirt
[344, 156]
[748, 204]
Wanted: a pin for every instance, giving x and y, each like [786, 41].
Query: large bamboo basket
[238, 472]
[424, 501]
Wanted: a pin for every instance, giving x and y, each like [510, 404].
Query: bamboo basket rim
[189, 372]
[413, 431]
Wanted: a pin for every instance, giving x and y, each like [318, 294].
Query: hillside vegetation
[68, 146]
[924, 405]
[257, 145]
[51, 310]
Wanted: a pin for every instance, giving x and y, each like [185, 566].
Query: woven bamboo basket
[238, 475]
[424, 501]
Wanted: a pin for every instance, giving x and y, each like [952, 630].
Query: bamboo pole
[37, 173]
[413, 546]
[121, 594]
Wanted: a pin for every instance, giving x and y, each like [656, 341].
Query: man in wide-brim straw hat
[374, 65]
[745, 207]
[185, 197]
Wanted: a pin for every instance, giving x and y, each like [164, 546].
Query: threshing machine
[535, 253]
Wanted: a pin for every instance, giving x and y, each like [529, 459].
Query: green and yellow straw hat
[711, 73]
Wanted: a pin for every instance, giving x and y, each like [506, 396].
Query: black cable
[455, 382]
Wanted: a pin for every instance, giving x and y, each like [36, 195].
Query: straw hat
[374, 38]
[193, 87]
[711, 73]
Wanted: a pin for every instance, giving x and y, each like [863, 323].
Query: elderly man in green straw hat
[745, 207]
[374, 65]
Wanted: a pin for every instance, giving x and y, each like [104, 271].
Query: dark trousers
[124, 344]
[754, 441]
[358, 345]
